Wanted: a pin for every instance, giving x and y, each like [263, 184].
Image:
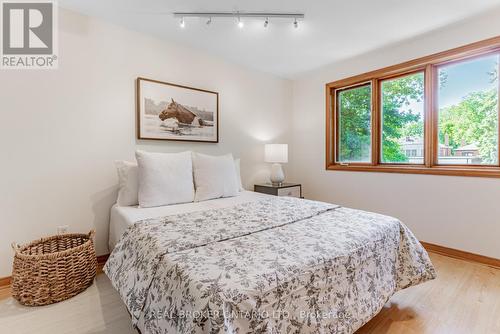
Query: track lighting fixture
[239, 15]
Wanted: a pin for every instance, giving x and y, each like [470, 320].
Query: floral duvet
[278, 265]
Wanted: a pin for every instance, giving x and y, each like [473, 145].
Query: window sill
[493, 171]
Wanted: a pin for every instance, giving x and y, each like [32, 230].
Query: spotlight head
[295, 24]
[209, 21]
[240, 23]
[266, 22]
[182, 23]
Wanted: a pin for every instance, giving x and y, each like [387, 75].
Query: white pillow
[128, 183]
[238, 173]
[214, 177]
[164, 178]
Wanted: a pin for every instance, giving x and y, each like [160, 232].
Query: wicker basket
[53, 269]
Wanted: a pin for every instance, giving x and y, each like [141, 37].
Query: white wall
[457, 212]
[61, 130]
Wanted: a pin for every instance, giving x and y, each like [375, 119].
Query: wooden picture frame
[167, 111]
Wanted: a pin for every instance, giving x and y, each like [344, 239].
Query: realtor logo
[28, 35]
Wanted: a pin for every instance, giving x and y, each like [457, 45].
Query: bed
[122, 217]
[259, 264]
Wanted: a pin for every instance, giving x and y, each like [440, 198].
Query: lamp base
[277, 175]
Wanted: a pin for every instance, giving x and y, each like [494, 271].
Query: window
[434, 115]
[403, 119]
[468, 112]
[354, 124]
[412, 153]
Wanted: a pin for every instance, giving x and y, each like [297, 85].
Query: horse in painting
[182, 114]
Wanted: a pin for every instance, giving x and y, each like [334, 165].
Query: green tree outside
[473, 121]
[355, 124]
[398, 119]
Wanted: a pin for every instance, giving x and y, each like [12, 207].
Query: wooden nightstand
[285, 189]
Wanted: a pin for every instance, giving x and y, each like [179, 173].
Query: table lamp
[276, 154]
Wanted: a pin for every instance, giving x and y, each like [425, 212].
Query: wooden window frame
[379, 117]
[337, 132]
[429, 65]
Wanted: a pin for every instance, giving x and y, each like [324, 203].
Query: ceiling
[332, 29]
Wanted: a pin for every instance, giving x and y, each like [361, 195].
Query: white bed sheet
[124, 216]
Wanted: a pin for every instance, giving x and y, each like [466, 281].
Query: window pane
[403, 120]
[468, 112]
[354, 124]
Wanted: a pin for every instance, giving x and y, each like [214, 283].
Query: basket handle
[15, 247]
[92, 234]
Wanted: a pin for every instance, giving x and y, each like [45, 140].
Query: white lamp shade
[276, 153]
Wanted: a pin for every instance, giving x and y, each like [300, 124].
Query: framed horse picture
[167, 111]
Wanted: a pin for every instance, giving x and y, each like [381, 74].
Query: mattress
[124, 216]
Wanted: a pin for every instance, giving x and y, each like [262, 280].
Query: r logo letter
[35, 22]
[27, 28]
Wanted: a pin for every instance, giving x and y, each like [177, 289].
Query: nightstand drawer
[283, 189]
[289, 191]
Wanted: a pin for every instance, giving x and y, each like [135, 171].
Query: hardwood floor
[98, 309]
[465, 298]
